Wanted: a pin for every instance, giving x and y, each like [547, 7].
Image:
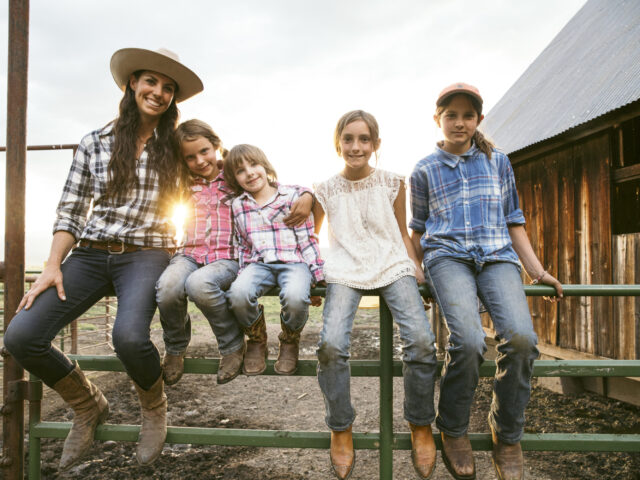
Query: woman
[127, 171]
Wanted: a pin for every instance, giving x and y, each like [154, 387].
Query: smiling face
[252, 177]
[200, 156]
[458, 121]
[153, 93]
[356, 147]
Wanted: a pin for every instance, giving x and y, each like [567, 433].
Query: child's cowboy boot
[230, 365]
[255, 359]
[458, 457]
[507, 459]
[172, 368]
[287, 361]
[90, 409]
[423, 450]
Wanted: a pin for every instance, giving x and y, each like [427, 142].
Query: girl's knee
[203, 292]
[523, 343]
[469, 345]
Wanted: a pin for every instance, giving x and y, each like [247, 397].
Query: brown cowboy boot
[342, 453]
[153, 432]
[90, 409]
[255, 359]
[287, 362]
[230, 365]
[423, 450]
[458, 457]
[172, 368]
[507, 459]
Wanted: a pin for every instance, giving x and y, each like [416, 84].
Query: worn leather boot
[423, 450]
[342, 453]
[153, 432]
[230, 366]
[287, 362]
[458, 457]
[172, 368]
[255, 359]
[90, 409]
[507, 459]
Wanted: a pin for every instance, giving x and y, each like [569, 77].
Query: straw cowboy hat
[128, 60]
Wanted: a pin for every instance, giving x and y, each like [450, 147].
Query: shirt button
[468, 223]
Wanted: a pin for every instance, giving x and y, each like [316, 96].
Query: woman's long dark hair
[161, 147]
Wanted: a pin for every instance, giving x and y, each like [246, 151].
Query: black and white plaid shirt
[136, 220]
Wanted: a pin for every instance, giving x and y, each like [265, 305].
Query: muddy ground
[295, 403]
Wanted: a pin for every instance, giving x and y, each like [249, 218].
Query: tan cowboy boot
[255, 359]
[287, 362]
[172, 368]
[458, 457]
[342, 453]
[153, 432]
[230, 365]
[423, 450]
[507, 459]
[90, 409]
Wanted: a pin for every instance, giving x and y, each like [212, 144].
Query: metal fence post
[386, 392]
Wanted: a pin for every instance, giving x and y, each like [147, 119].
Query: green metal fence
[385, 440]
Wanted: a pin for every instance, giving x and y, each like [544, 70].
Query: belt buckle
[115, 252]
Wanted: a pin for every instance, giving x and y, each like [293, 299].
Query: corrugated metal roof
[590, 68]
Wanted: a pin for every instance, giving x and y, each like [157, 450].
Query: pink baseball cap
[458, 88]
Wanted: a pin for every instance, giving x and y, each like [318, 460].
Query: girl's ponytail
[484, 144]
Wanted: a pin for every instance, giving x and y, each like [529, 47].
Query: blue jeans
[204, 285]
[89, 275]
[456, 285]
[419, 351]
[294, 280]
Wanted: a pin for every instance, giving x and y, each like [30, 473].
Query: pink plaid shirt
[262, 236]
[209, 227]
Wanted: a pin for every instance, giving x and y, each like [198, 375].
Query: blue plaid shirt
[462, 204]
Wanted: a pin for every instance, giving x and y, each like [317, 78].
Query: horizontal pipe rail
[371, 368]
[568, 442]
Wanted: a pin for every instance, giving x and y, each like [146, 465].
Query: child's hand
[300, 211]
[316, 300]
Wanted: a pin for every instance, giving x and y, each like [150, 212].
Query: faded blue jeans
[204, 285]
[419, 351]
[294, 280]
[88, 275]
[456, 285]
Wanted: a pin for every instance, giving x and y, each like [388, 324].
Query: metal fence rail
[385, 440]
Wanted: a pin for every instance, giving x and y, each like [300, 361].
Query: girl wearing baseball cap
[113, 217]
[468, 224]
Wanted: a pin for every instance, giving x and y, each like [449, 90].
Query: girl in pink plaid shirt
[271, 254]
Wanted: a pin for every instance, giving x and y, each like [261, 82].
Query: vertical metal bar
[34, 442]
[74, 336]
[386, 392]
[18, 60]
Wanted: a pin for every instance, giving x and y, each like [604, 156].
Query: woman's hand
[51, 277]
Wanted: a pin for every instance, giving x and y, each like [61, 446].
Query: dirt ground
[295, 403]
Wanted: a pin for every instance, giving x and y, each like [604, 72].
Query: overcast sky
[277, 74]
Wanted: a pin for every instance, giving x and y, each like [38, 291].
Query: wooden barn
[571, 127]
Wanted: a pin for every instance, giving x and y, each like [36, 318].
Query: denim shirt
[463, 204]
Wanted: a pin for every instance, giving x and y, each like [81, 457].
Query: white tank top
[365, 246]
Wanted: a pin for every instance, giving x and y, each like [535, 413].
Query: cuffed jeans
[204, 285]
[419, 351]
[456, 285]
[294, 280]
[89, 275]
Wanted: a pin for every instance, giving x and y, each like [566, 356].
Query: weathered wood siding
[565, 196]
[626, 310]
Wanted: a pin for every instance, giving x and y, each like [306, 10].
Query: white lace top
[365, 246]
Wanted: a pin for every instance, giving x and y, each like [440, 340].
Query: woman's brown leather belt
[116, 247]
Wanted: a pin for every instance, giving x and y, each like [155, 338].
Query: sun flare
[178, 218]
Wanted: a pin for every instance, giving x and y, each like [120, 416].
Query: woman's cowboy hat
[128, 60]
